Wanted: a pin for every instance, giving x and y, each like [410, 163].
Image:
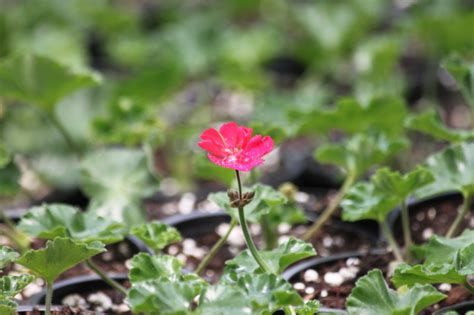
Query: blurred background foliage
[154, 74]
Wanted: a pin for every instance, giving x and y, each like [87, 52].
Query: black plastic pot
[79, 284]
[197, 223]
[460, 308]
[293, 271]
[415, 205]
[29, 309]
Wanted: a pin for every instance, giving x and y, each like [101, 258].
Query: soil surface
[332, 282]
[434, 218]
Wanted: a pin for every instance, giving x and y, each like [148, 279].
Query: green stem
[245, 229]
[391, 240]
[329, 211]
[406, 226]
[289, 310]
[65, 134]
[114, 284]
[215, 249]
[453, 229]
[21, 240]
[49, 298]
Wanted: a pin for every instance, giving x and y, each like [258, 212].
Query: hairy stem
[453, 229]
[215, 249]
[329, 211]
[114, 284]
[49, 298]
[245, 229]
[391, 241]
[406, 227]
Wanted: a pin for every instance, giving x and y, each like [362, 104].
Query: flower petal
[230, 132]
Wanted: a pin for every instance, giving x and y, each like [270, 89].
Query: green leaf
[7, 307]
[117, 179]
[266, 200]
[463, 72]
[156, 235]
[446, 260]
[52, 220]
[40, 80]
[7, 255]
[429, 123]
[353, 117]
[209, 171]
[12, 285]
[223, 300]
[363, 201]
[162, 297]
[147, 267]
[360, 152]
[58, 256]
[277, 259]
[309, 308]
[268, 292]
[9, 180]
[375, 199]
[450, 168]
[426, 274]
[372, 296]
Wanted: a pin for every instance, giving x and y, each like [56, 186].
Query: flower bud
[233, 195]
[289, 190]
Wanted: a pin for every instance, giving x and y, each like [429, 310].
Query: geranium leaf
[268, 292]
[450, 168]
[422, 274]
[116, 180]
[372, 296]
[360, 152]
[7, 307]
[463, 72]
[156, 235]
[4, 156]
[429, 123]
[353, 117]
[446, 260]
[12, 285]
[277, 259]
[265, 201]
[40, 80]
[375, 199]
[147, 267]
[222, 299]
[52, 220]
[7, 255]
[58, 256]
[363, 201]
[162, 297]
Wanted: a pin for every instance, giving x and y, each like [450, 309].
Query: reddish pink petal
[258, 146]
[230, 132]
[211, 147]
[236, 165]
[244, 136]
[212, 135]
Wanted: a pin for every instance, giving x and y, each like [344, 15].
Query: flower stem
[245, 229]
[114, 284]
[329, 211]
[453, 229]
[406, 226]
[391, 240]
[49, 298]
[215, 249]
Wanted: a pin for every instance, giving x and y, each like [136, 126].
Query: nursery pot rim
[454, 307]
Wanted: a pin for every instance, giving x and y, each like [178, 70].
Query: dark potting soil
[332, 240]
[332, 294]
[434, 218]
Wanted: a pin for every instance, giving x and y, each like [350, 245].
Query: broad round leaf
[58, 256]
[7, 255]
[7, 307]
[40, 80]
[429, 123]
[156, 235]
[116, 180]
[222, 299]
[12, 285]
[277, 259]
[147, 267]
[452, 170]
[372, 296]
[52, 220]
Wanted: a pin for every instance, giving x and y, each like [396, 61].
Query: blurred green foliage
[172, 68]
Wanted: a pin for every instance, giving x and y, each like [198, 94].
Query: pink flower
[234, 147]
